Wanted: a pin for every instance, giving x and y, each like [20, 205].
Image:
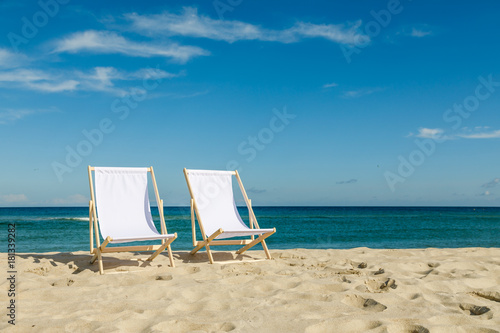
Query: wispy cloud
[23, 75]
[102, 79]
[12, 115]
[480, 132]
[491, 184]
[330, 85]
[430, 133]
[152, 74]
[486, 194]
[481, 135]
[36, 80]
[52, 87]
[416, 31]
[419, 33]
[339, 33]
[190, 23]
[14, 198]
[361, 92]
[9, 59]
[108, 42]
[350, 181]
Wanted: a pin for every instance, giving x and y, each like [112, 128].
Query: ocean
[66, 229]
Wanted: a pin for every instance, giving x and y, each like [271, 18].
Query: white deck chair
[121, 209]
[213, 205]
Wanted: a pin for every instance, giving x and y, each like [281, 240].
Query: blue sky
[316, 103]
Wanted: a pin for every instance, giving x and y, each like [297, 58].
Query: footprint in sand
[378, 285]
[192, 270]
[366, 304]
[407, 328]
[62, 282]
[164, 277]
[489, 295]
[475, 310]
[43, 271]
[363, 265]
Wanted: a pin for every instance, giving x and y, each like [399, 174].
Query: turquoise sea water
[66, 229]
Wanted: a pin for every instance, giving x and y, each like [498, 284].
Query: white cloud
[417, 30]
[37, 80]
[481, 135]
[419, 33]
[101, 79]
[111, 43]
[338, 33]
[361, 92]
[14, 198]
[104, 75]
[52, 87]
[479, 132]
[9, 59]
[23, 75]
[191, 24]
[330, 85]
[152, 74]
[12, 115]
[430, 133]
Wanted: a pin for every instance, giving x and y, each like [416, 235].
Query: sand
[356, 290]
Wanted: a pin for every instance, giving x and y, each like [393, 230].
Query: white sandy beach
[357, 290]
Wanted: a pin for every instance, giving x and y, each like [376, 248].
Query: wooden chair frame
[210, 240]
[99, 249]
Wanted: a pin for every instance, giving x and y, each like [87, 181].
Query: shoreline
[300, 290]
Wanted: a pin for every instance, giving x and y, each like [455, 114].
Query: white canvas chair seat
[116, 240]
[213, 204]
[240, 233]
[122, 211]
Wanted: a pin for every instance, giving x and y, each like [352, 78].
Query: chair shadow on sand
[80, 262]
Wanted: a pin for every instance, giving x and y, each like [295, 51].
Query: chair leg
[170, 256]
[266, 250]
[206, 243]
[256, 241]
[94, 257]
[198, 247]
[161, 248]
[157, 252]
[98, 254]
[101, 268]
[209, 253]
